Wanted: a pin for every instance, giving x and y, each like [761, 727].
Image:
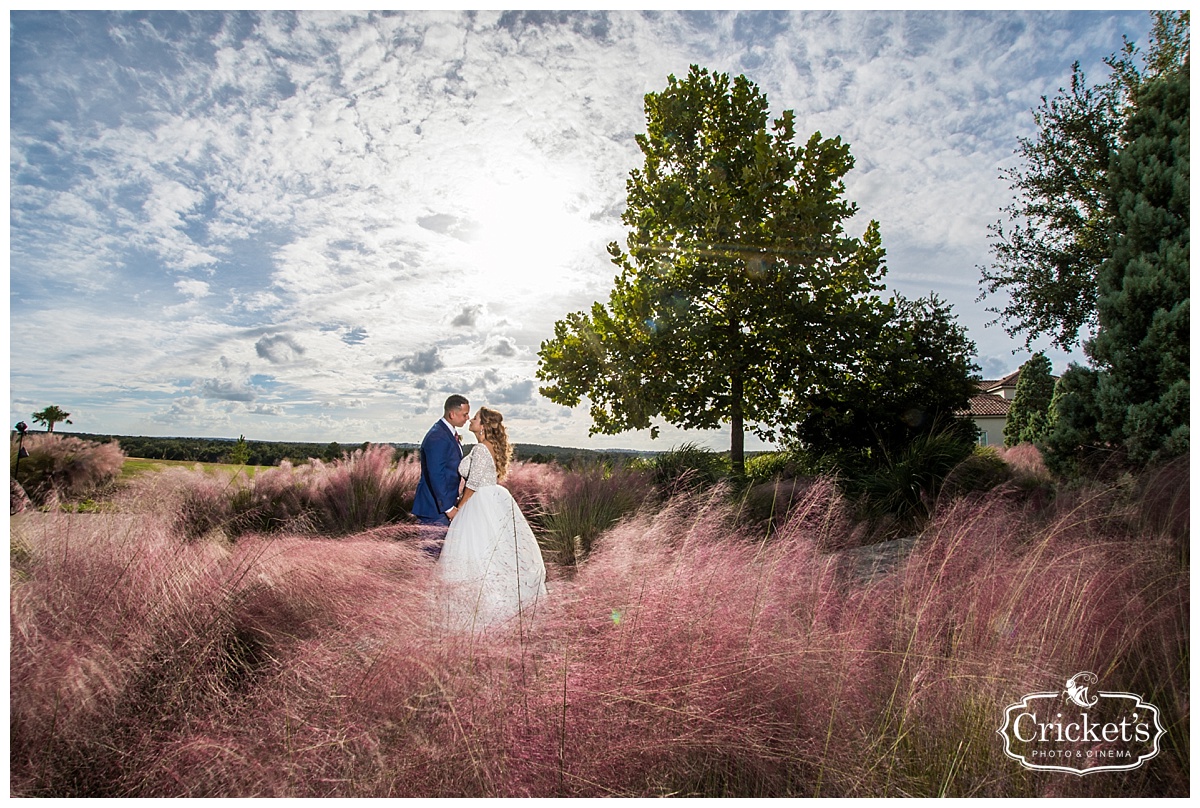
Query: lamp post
[21, 427]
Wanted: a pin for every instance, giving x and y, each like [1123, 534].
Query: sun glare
[529, 229]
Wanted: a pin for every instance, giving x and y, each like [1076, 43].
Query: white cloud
[501, 346]
[193, 289]
[421, 363]
[278, 349]
[519, 392]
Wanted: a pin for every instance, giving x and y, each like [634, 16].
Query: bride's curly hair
[497, 437]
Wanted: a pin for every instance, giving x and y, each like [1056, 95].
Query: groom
[441, 451]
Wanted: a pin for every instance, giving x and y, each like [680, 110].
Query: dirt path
[875, 560]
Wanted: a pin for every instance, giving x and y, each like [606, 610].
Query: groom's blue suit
[438, 489]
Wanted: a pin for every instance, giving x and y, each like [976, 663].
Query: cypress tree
[1029, 417]
[1141, 347]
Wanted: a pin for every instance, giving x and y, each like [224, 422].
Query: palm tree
[51, 416]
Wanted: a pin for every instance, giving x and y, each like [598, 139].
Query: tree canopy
[50, 416]
[740, 294]
[909, 378]
[1135, 400]
[1060, 226]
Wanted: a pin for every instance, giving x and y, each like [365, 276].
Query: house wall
[991, 428]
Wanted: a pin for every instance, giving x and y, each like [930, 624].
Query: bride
[491, 567]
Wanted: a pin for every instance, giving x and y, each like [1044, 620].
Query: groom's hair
[454, 402]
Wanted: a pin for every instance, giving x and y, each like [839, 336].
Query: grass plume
[692, 653]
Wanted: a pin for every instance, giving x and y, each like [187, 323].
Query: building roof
[987, 385]
[986, 404]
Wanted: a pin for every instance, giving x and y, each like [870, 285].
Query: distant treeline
[217, 450]
[270, 453]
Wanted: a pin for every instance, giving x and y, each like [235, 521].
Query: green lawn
[139, 465]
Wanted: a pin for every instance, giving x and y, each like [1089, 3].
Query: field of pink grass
[687, 655]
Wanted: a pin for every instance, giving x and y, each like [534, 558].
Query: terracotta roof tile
[995, 384]
[986, 404]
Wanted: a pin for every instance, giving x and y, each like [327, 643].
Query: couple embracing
[490, 565]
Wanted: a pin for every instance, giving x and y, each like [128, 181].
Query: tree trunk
[737, 435]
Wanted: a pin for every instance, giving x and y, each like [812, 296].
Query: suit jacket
[438, 488]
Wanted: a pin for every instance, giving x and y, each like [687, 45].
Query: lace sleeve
[483, 468]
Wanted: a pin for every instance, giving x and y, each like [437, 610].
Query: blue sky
[315, 226]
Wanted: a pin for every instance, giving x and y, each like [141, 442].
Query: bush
[361, 491]
[686, 468]
[982, 470]
[65, 467]
[591, 500]
[767, 465]
[897, 492]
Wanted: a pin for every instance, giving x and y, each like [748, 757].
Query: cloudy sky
[315, 226]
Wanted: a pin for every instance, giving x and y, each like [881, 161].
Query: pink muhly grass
[123, 639]
[589, 502]
[195, 503]
[668, 642]
[917, 666]
[361, 696]
[1163, 500]
[277, 500]
[812, 508]
[364, 489]
[66, 466]
[996, 603]
[688, 655]
[162, 492]
[535, 485]
[1026, 463]
[106, 612]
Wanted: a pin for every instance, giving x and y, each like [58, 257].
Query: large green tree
[1029, 416]
[909, 378]
[1141, 348]
[740, 293]
[1060, 225]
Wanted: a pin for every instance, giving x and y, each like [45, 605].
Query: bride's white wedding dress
[491, 569]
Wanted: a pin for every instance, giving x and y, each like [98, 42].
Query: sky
[315, 226]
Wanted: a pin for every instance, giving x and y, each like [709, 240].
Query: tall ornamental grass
[589, 501]
[535, 486]
[364, 489]
[688, 655]
[367, 488]
[62, 466]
